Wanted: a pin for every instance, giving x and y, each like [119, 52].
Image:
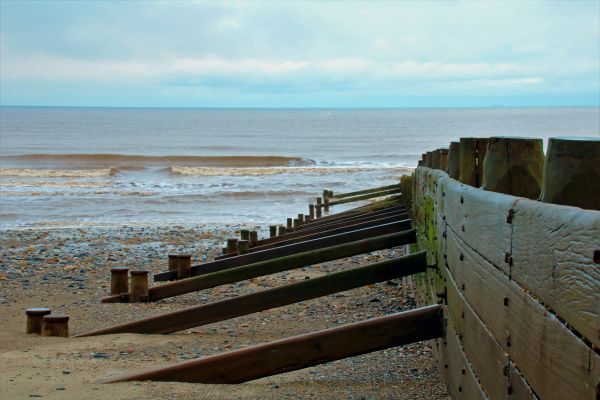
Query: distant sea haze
[78, 166]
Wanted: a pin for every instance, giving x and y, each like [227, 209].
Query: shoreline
[67, 269]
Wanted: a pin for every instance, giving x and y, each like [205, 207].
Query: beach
[68, 270]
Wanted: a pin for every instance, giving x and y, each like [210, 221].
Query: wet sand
[68, 271]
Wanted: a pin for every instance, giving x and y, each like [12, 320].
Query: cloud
[438, 48]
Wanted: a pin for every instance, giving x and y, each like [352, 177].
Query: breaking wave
[57, 173]
[124, 161]
[208, 171]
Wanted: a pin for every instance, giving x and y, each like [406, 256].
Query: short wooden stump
[253, 238]
[184, 266]
[139, 287]
[119, 281]
[34, 318]
[55, 325]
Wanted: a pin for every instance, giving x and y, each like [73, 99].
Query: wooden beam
[333, 237]
[366, 191]
[364, 197]
[302, 351]
[268, 267]
[272, 298]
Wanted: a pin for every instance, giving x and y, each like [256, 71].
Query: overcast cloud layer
[305, 54]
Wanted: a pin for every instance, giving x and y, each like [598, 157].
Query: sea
[70, 166]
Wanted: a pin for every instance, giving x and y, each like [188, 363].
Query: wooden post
[435, 159]
[514, 166]
[318, 209]
[572, 172]
[139, 286]
[232, 245]
[428, 159]
[302, 351]
[277, 297]
[311, 211]
[454, 160]
[272, 230]
[244, 234]
[300, 219]
[243, 247]
[307, 218]
[253, 238]
[119, 280]
[55, 325]
[282, 231]
[184, 266]
[173, 262]
[34, 319]
[472, 156]
[444, 159]
[290, 224]
[296, 223]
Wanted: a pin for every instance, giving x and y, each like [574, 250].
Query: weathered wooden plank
[302, 351]
[553, 257]
[487, 358]
[519, 389]
[479, 218]
[460, 379]
[268, 267]
[276, 297]
[556, 363]
[334, 237]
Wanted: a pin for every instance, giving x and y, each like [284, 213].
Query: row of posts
[569, 173]
[315, 211]
[135, 283]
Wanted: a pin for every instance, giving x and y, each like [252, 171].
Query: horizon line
[302, 107]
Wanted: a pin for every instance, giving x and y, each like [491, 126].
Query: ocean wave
[210, 171]
[55, 184]
[40, 193]
[57, 173]
[124, 161]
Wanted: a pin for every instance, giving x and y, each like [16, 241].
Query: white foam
[57, 173]
[210, 171]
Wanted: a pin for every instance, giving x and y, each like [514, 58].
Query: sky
[300, 54]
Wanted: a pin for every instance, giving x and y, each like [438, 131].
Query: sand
[67, 269]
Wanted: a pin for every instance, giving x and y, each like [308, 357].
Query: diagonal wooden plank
[302, 351]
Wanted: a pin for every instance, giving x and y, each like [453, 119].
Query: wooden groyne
[518, 278]
[501, 244]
